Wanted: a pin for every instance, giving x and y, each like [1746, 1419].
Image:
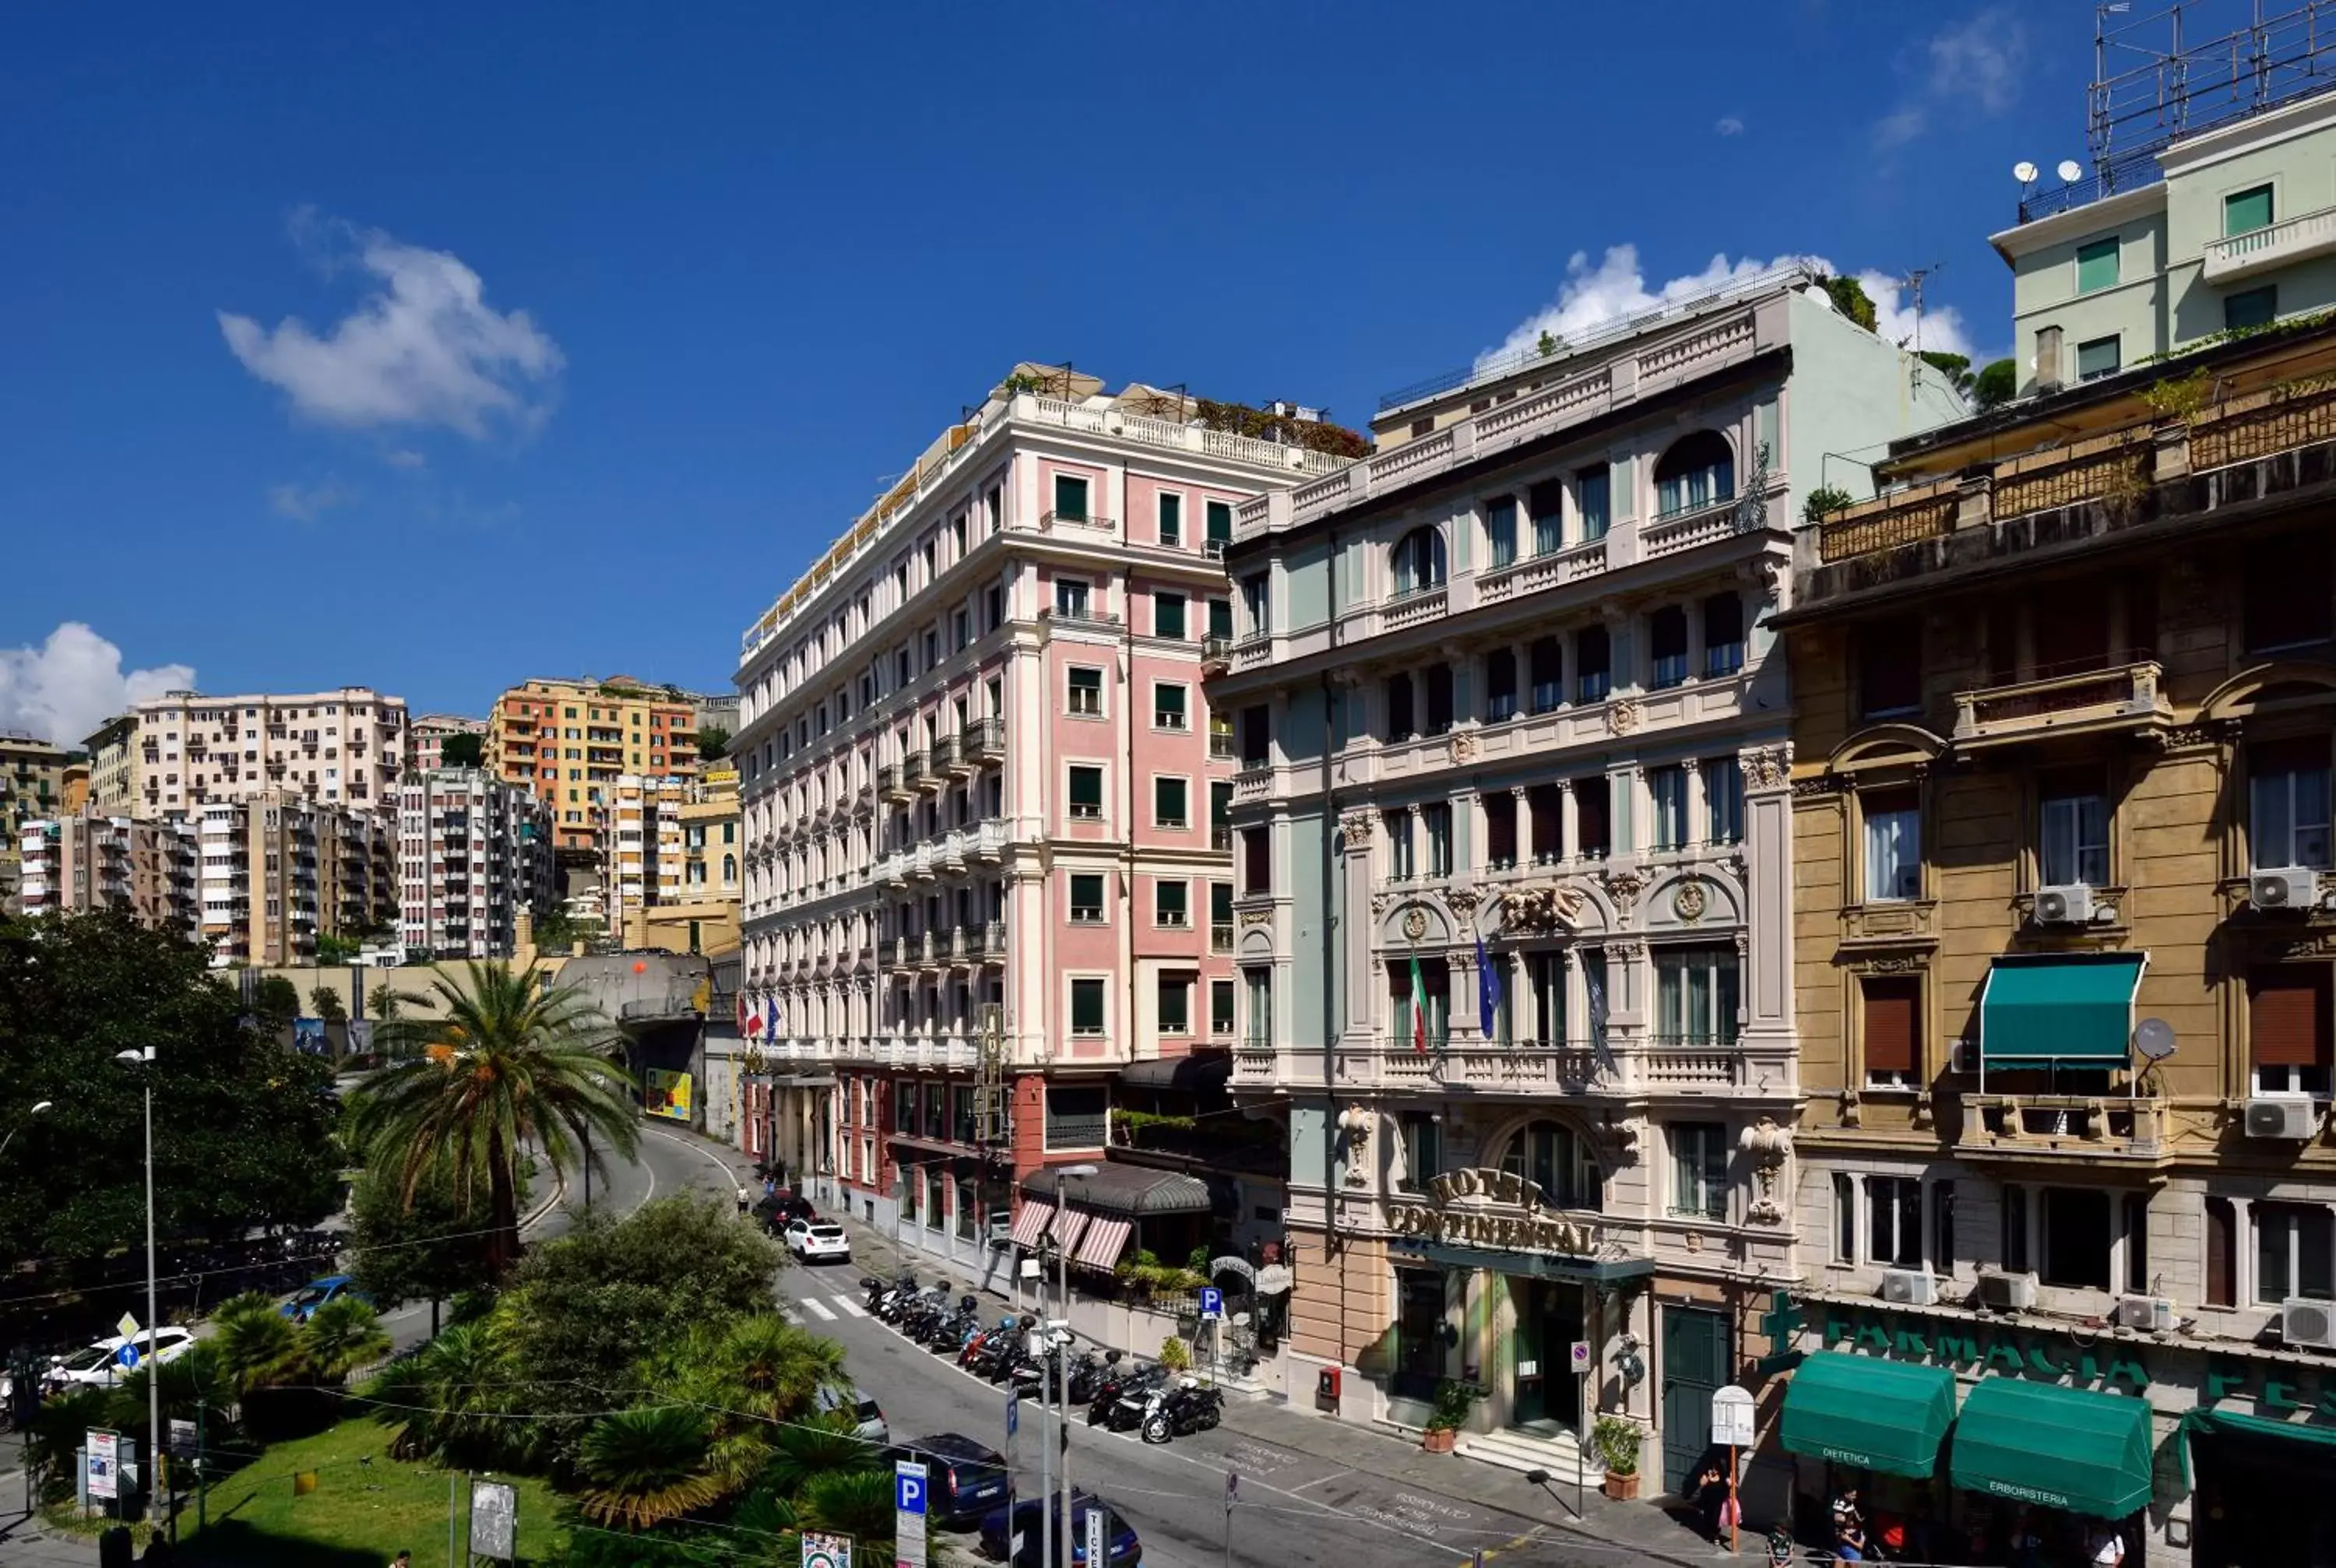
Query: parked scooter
[1137, 1398]
[1085, 1376]
[1108, 1389]
[999, 1350]
[1181, 1408]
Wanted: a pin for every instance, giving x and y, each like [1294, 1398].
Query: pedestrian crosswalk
[818, 1309]
[827, 1314]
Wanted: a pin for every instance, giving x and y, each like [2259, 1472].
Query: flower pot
[1622, 1488]
[1439, 1439]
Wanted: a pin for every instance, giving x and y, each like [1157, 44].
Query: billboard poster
[105, 1465]
[668, 1094]
[308, 1036]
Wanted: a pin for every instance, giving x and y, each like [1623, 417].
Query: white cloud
[71, 684]
[1973, 65]
[1617, 287]
[306, 503]
[405, 457]
[423, 348]
[1729, 125]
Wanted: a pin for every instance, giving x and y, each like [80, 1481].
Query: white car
[98, 1364]
[818, 1242]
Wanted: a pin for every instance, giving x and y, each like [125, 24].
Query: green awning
[2067, 1448]
[2212, 1422]
[1861, 1410]
[2038, 1009]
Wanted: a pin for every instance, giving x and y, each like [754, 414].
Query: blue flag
[1488, 990]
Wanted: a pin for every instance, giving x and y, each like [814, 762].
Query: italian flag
[1418, 1007]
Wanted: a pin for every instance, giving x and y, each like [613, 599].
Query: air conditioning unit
[2305, 1323]
[1910, 1286]
[2002, 1293]
[2150, 1314]
[2283, 888]
[1962, 1055]
[2291, 1117]
[2064, 906]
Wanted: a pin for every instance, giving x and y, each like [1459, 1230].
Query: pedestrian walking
[2105, 1549]
[745, 1201]
[1710, 1495]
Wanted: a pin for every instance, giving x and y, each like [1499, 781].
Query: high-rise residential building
[472, 852]
[2064, 724]
[1511, 913]
[568, 741]
[178, 753]
[278, 870]
[983, 807]
[670, 877]
[80, 864]
[426, 737]
[642, 833]
[32, 786]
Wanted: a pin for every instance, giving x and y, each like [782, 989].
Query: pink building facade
[983, 801]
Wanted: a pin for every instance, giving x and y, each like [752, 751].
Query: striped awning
[1105, 1238]
[1038, 1224]
[1030, 1222]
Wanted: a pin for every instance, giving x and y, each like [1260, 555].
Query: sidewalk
[1642, 1528]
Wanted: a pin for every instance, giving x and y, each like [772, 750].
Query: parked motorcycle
[1181, 1408]
[1137, 1398]
[999, 1350]
[1107, 1391]
[1085, 1376]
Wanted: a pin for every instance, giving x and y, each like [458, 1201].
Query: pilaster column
[1568, 821]
[1691, 830]
[1521, 811]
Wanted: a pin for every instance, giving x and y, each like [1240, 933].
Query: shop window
[1699, 1169]
[1889, 668]
[2075, 1237]
[2286, 587]
[1561, 1163]
[1697, 994]
[2289, 1028]
[1418, 1333]
[1894, 1215]
[936, 1186]
[2288, 803]
[968, 1208]
[2072, 831]
[2294, 1253]
[1892, 1031]
[1423, 1158]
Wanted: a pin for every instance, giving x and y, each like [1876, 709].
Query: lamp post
[1054, 1369]
[144, 1060]
[38, 1106]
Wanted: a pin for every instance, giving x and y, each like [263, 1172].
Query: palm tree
[257, 1345]
[647, 1465]
[339, 1336]
[514, 1061]
[385, 1004]
[854, 1503]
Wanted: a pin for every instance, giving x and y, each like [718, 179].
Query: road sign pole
[1232, 1496]
[1735, 1511]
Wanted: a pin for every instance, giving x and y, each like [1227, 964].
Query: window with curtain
[1559, 1161]
[1593, 816]
[1593, 491]
[1894, 1221]
[2072, 841]
[1844, 1217]
[2289, 1028]
[1546, 990]
[1500, 530]
[1419, 562]
[1723, 800]
[1546, 502]
[1500, 686]
[2293, 1252]
[1592, 662]
[1890, 1031]
[1697, 996]
[1723, 634]
[1500, 829]
[2288, 802]
[1403, 864]
[1423, 1150]
[1699, 1169]
[1257, 1012]
[1436, 820]
[1545, 659]
[1256, 862]
[1893, 844]
[1667, 792]
[1699, 469]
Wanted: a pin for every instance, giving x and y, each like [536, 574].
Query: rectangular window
[1175, 1003]
[1070, 498]
[1500, 829]
[1219, 515]
[1697, 996]
[1438, 681]
[1259, 1011]
[1256, 736]
[1500, 530]
[1593, 819]
[1084, 1011]
[1437, 818]
[1221, 618]
[1699, 1169]
[1423, 1150]
[2288, 802]
[2096, 264]
[1667, 790]
[1085, 693]
[2293, 1252]
[1893, 844]
[1545, 989]
[1592, 661]
[1403, 864]
[1723, 799]
[1666, 646]
[1546, 501]
[2289, 1028]
[1170, 803]
[1401, 725]
[1892, 1031]
[1087, 791]
[1168, 615]
[1257, 603]
[2244, 211]
[1943, 1227]
[2100, 356]
[1723, 634]
[1071, 598]
[1889, 668]
[1172, 521]
[1593, 488]
[2136, 1212]
[2012, 1238]
[2072, 840]
[1221, 1007]
[2222, 1254]
[1894, 1221]
[2286, 591]
[1171, 904]
[2076, 1240]
[1256, 862]
[2250, 308]
[1844, 1217]
[1500, 686]
[1546, 668]
[1086, 898]
[1168, 705]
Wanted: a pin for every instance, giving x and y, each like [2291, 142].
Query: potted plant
[1453, 1400]
[1615, 1442]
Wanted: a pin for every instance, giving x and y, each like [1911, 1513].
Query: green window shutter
[1220, 521]
[1086, 1006]
[2096, 264]
[2099, 357]
[1087, 787]
[2254, 308]
[2244, 211]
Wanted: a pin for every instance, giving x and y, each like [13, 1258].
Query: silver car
[869, 1415]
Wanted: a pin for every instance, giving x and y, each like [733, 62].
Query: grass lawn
[359, 1516]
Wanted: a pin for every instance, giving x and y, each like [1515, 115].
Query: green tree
[646, 1465]
[558, 931]
[1998, 383]
[274, 1002]
[326, 1003]
[1849, 297]
[512, 1063]
[338, 1338]
[258, 1346]
[1955, 367]
[332, 949]
[712, 742]
[421, 1247]
[243, 1125]
[462, 751]
[385, 1002]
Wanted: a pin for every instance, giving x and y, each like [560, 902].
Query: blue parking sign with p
[909, 1488]
[1213, 1301]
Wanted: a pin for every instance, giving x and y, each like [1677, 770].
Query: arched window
[1420, 560]
[729, 870]
[1698, 471]
[1559, 1161]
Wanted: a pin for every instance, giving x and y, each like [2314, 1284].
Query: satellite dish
[2153, 1039]
[2070, 171]
[2024, 171]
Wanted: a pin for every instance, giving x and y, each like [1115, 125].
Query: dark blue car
[967, 1480]
[1126, 1548]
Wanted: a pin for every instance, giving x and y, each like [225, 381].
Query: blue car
[305, 1301]
[1028, 1532]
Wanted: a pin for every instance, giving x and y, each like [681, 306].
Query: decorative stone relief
[1463, 747]
[1625, 885]
[1462, 901]
[1256, 917]
[1769, 1145]
[1689, 902]
[1541, 911]
[1378, 905]
[1766, 767]
[1622, 716]
[1355, 827]
[1815, 788]
[1415, 923]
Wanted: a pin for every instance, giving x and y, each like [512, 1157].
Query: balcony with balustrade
[1627, 1067]
[983, 745]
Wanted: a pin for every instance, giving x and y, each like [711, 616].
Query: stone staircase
[1515, 1450]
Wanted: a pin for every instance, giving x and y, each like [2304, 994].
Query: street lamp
[144, 1060]
[1056, 1371]
[38, 1106]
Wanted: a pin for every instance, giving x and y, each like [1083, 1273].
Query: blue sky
[435, 347]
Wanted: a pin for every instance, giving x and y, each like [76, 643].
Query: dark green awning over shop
[2067, 1448]
[2069, 1009]
[1861, 1410]
[2214, 1423]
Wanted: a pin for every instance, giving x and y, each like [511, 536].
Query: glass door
[1548, 1396]
[1419, 1333]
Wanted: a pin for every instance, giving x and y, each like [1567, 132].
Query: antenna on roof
[1913, 284]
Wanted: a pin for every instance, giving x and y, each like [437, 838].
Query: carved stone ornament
[1355, 827]
[1769, 1145]
[1463, 747]
[1622, 716]
[1766, 767]
[1462, 901]
[1817, 787]
[1625, 884]
[1378, 905]
[1541, 911]
[1415, 923]
[1257, 918]
[1690, 902]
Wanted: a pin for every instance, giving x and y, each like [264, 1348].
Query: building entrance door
[1695, 1363]
[1547, 1397]
[1418, 1333]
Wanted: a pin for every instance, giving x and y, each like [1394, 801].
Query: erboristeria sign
[1496, 1209]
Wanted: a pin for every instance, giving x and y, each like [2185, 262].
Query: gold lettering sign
[1453, 1218]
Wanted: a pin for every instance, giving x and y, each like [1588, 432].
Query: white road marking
[850, 1306]
[817, 1310]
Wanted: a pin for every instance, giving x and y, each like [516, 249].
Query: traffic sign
[128, 1355]
[1013, 1412]
[1213, 1301]
[126, 1326]
[1732, 1417]
[1580, 1355]
[826, 1551]
[909, 1498]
